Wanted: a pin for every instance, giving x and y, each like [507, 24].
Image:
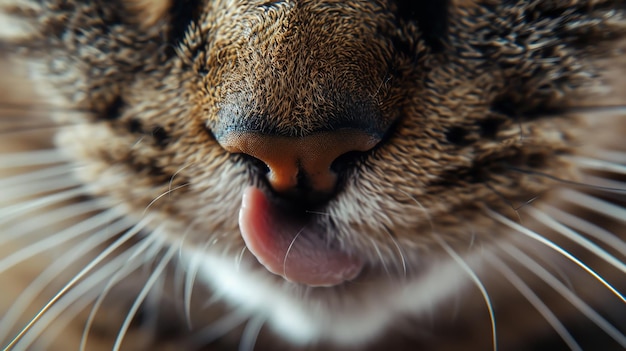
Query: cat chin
[346, 315]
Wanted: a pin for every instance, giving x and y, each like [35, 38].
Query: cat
[313, 175]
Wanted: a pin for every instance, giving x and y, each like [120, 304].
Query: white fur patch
[12, 28]
[351, 323]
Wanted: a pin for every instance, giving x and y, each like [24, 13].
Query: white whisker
[609, 155]
[38, 175]
[577, 238]
[138, 142]
[219, 328]
[152, 306]
[156, 274]
[190, 276]
[380, 257]
[573, 183]
[169, 188]
[180, 275]
[85, 270]
[240, 258]
[589, 228]
[422, 208]
[607, 185]
[46, 277]
[76, 299]
[289, 250]
[32, 158]
[162, 195]
[558, 286]
[596, 111]
[57, 184]
[400, 252]
[251, 333]
[534, 300]
[181, 278]
[22, 229]
[133, 263]
[529, 233]
[594, 204]
[41, 202]
[80, 229]
[470, 272]
[598, 164]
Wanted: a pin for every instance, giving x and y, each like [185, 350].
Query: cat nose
[297, 163]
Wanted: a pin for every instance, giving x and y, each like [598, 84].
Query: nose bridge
[290, 158]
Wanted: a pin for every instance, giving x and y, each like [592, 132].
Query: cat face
[320, 161]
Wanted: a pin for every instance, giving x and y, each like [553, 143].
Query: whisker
[156, 274]
[374, 245]
[80, 229]
[85, 270]
[190, 277]
[594, 204]
[38, 175]
[470, 272]
[422, 208]
[607, 184]
[577, 238]
[21, 229]
[559, 287]
[591, 229]
[133, 264]
[137, 142]
[39, 107]
[46, 277]
[181, 274]
[162, 195]
[57, 184]
[608, 155]
[219, 328]
[534, 300]
[13, 130]
[169, 188]
[529, 233]
[32, 158]
[289, 250]
[40, 202]
[380, 257]
[382, 83]
[606, 109]
[216, 295]
[151, 307]
[240, 258]
[400, 252]
[598, 164]
[319, 213]
[504, 199]
[251, 333]
[565, 181]
[76, 299]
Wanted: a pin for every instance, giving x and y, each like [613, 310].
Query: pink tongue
[288, 248]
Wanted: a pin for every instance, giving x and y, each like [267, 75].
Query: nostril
[261, 166]
[309, 162]
[346, 161]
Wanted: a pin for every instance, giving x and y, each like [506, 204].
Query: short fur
[483, 128]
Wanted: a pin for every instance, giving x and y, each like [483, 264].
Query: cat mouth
[288, 245]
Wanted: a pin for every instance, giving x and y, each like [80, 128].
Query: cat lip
[286, 246]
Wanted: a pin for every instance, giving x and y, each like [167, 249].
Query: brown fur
[480, 125]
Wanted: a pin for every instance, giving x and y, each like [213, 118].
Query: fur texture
[492, 211]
